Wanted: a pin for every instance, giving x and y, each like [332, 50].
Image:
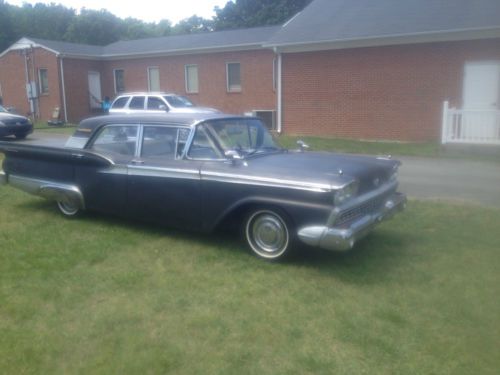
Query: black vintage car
[200, 171]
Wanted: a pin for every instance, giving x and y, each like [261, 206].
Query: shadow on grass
[373, 260]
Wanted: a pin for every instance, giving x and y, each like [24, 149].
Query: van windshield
[177, 101]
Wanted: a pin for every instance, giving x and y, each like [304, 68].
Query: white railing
[470, 126]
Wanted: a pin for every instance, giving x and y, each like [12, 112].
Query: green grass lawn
[65, 129]
[105, 296]
[425, 149]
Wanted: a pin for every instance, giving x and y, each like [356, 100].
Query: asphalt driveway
[451, 180]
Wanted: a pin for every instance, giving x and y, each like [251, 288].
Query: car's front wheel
[68, 208]
[268, 234]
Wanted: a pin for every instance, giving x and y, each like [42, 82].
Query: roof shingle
[341, 20]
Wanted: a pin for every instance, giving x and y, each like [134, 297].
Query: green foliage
[100, 27]
[94, 27]
[193, 24]
[252, 13]
[6, 27]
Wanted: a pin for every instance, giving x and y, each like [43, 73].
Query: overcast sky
[146, 10]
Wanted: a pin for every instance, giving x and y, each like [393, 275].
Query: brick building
[228, 70]
[416, 70]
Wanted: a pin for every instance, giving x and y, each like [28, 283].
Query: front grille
[348, 216]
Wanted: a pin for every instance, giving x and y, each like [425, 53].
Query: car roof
[87, 127]
[161, 93]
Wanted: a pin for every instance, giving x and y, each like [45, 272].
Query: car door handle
[137, 162]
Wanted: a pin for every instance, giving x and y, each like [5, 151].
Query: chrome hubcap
[67, 208]
[267, 234]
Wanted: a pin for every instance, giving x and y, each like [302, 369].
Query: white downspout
[278, 94]
[63, 88]
[29, 94]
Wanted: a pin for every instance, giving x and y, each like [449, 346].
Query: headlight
[394, 174]
[346, 193]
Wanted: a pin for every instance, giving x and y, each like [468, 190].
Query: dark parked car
[202, 171]
[12, 124]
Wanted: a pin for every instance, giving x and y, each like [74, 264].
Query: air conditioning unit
[268, 117]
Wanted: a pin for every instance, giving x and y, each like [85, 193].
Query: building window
[119, 80]
[233, 77]
[43, 80]
[191, 72]
[154, 78]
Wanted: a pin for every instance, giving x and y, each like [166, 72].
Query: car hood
[322, 168]
[10, 117]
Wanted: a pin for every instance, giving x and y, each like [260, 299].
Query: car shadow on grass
[375, 259]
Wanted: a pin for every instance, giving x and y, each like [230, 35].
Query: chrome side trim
[265, 181]
[48, 189]
[115, 169]
[193, 174]
[147, 171]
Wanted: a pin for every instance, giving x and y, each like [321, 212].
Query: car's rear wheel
[268, 233]
[68, 208]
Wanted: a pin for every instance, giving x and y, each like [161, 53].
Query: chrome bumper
[343, 239]
[3, 178]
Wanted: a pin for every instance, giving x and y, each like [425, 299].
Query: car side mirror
[233, 155]
[163, 107]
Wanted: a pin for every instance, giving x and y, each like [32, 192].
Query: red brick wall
[256, 78]
[13, 80]
[77, 87]
[393, 92]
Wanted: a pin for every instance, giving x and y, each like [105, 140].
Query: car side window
[120, 102]
[137, 102]
[163, 142]
[116, 139]
[202, 147]
[156, 103]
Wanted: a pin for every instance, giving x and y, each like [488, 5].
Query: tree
[251, 13]
[6, 29]
[98, 27]
[193, 24]
[133, 28]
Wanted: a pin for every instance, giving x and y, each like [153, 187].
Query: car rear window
[120, 102]
[137, 102]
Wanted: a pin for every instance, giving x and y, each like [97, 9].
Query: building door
[481, 86]
[95, 96]
[481, 94]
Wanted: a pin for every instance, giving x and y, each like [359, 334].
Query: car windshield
[177, 101]
[247, 136]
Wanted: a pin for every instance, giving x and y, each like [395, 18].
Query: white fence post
[444, 124]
